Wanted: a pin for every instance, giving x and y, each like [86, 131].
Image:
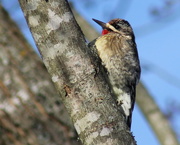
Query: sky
[157, 38]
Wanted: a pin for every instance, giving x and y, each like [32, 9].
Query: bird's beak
[102, 24]
[106, 25]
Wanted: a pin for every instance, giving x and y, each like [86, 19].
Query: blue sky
[158, 44]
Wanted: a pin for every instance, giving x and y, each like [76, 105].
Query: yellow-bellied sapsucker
[118, 53]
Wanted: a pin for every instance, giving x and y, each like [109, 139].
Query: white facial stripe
[111, 27]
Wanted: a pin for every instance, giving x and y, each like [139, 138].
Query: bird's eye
[117, 27]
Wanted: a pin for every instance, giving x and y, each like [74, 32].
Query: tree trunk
[81, 83]
[31, 112]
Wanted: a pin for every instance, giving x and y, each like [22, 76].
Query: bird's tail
[129, 120]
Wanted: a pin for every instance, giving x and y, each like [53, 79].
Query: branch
[83, 89]
[154, 116]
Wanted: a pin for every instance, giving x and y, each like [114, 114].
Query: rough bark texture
[31, 112]
[144, 100]
[81, 86]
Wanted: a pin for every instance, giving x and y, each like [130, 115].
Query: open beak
[102, 24]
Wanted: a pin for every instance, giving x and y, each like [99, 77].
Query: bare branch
[154, 116]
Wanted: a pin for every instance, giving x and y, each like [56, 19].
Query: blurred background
[156, 25]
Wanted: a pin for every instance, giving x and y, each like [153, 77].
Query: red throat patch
[104, 31]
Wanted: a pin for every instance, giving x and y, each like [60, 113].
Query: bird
[117, 50]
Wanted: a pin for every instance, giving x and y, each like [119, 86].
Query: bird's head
[116, 26]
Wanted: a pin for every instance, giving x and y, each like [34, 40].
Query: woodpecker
[118, 53]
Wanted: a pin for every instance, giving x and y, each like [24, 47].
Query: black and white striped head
[119, 26]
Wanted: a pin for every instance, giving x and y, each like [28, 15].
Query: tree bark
[81, 83]
[31, 112]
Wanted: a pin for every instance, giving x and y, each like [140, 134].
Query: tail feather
[129, 120]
